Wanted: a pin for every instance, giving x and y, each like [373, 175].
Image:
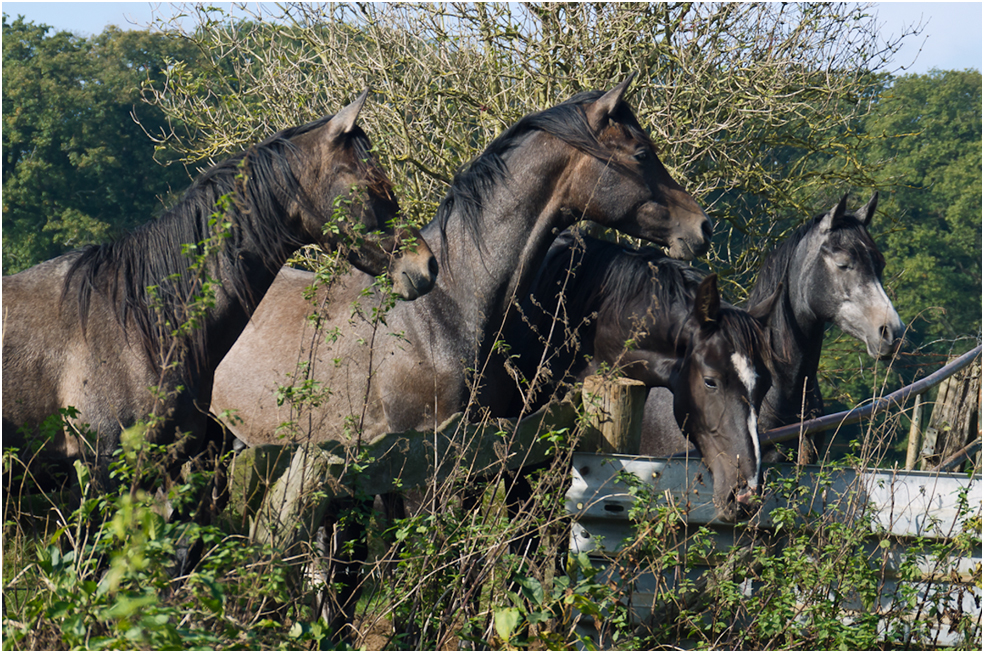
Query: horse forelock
[744, 334]
[259, 182]
[852, 233]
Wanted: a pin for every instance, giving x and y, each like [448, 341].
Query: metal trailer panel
[913, 509]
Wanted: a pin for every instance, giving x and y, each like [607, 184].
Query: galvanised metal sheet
[914, 511]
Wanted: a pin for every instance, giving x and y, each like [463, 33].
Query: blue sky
[952, 38]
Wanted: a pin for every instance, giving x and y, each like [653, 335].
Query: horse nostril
[433, 266]
[706, 229]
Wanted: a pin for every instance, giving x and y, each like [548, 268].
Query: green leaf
[83, 474]
[506, 621]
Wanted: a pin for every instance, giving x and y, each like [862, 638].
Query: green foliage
[103, 579]
[761, 110]
[934, 162]
[77, 169]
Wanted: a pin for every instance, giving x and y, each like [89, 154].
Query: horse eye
[641, 155]
[710, 383]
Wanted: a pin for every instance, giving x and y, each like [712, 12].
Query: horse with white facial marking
[597, 304]
[830, 270]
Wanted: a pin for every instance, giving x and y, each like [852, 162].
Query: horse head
[622, 184]
[719, 384]
[842, 270]
[347, 199]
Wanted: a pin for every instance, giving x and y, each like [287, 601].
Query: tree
[723, 89]
[77, 168]
[934, 162]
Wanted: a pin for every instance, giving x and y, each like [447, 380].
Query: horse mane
[662, 283]
[777, 263]
[567, 121]
[744, 334]
[624, 275]
[259, 184]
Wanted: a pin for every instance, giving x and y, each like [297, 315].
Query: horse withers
[94, 329]
[601, 305]
[828, 271]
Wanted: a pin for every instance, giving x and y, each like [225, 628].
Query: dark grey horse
[597, 305]
[831, 272]
[97, 329]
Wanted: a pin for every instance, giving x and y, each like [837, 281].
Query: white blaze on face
[747, 375]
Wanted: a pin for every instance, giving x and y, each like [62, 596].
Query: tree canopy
[935, 167]
[77, 168]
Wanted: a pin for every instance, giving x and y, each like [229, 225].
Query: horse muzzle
[415, 268]
[887, 340]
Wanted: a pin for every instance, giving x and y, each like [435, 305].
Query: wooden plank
[954, 420]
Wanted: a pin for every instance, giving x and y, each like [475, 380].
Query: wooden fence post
[614, 408]
[954, 420]
[913, 443]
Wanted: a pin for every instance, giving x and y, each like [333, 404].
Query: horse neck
[229, 316]
[796, 334]
[519, 221]
[242, 271]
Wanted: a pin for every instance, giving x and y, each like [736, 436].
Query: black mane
[650, 281]
[251, 190]
[630, 277]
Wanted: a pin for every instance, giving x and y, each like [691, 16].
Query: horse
[828, 271]
[97, 329]
[586, 158]
[601, 305]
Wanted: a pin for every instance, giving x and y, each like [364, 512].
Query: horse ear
[865, 213]
[345, 120]
[832, 218]
[707, 301]
[601, 109]
[764, 309]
